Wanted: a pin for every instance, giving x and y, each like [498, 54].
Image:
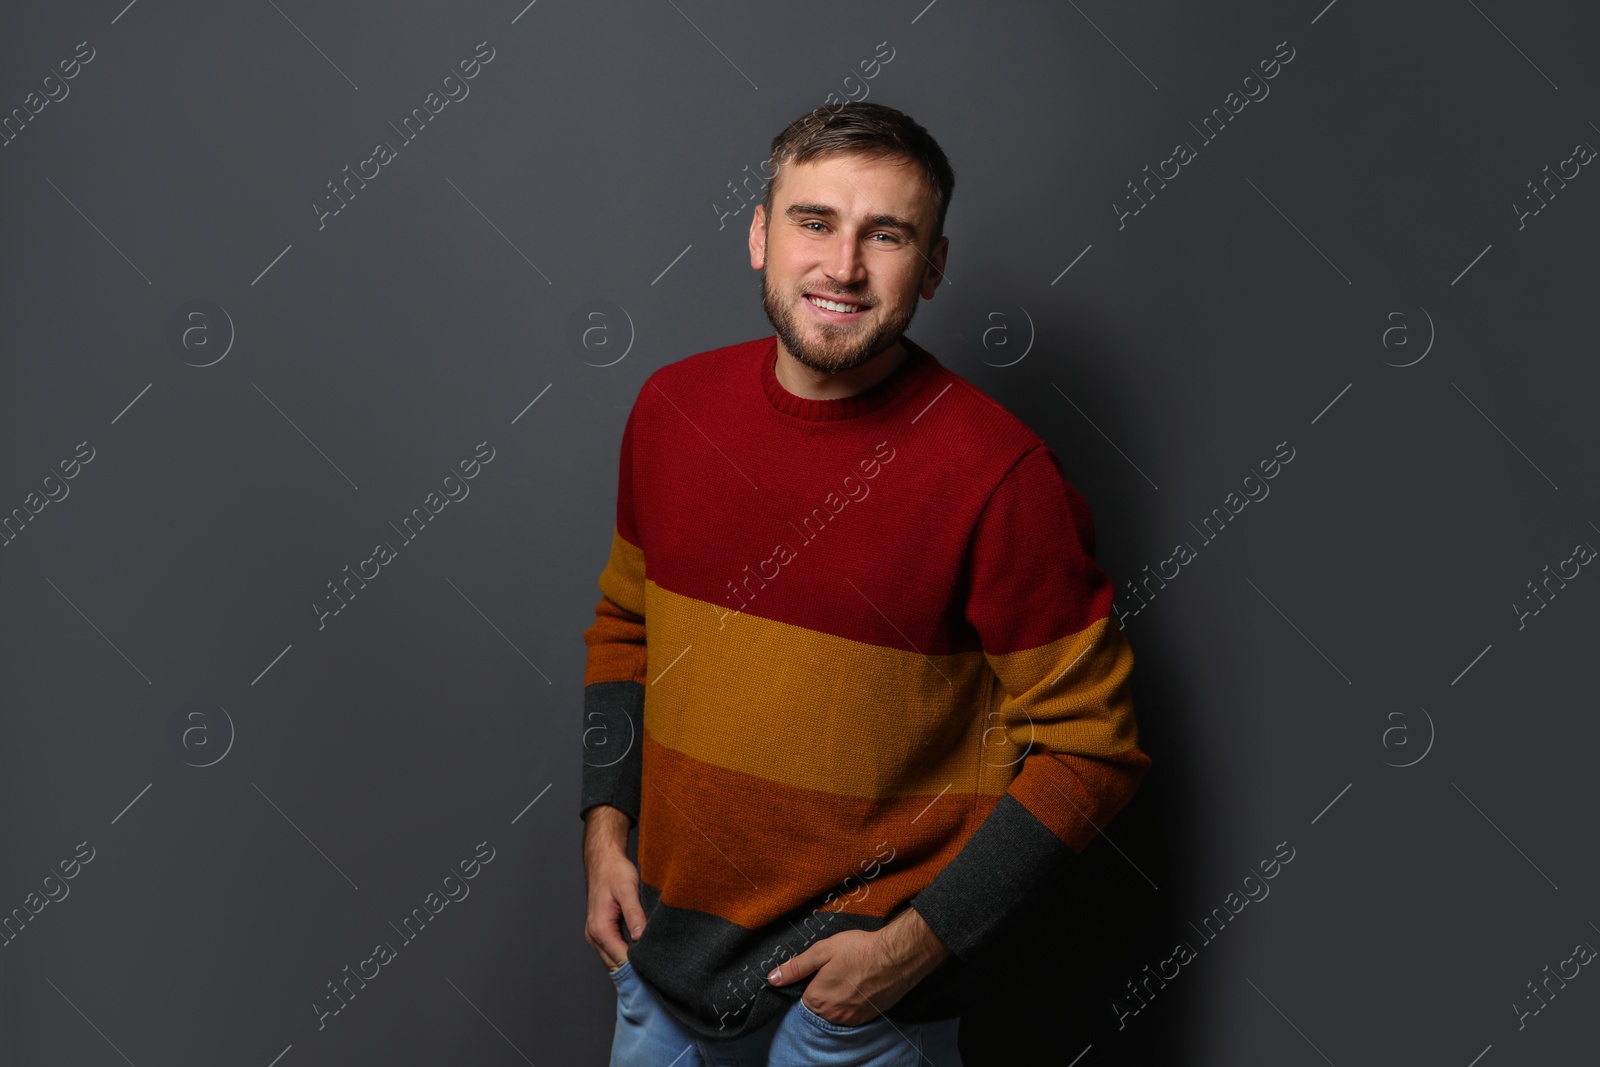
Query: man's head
[854, 214]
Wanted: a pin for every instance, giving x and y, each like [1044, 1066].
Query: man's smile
[834, 310]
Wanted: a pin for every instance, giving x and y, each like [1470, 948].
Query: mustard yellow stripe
[821, 712]
[1072, 693]
[623, 577]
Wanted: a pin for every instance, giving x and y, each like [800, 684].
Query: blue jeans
[647, 1036]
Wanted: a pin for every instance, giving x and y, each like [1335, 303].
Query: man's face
[853, 230]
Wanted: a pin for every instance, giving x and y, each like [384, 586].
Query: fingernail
[777, 972]
[637, 930]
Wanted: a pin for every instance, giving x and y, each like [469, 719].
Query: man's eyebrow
[905, 226]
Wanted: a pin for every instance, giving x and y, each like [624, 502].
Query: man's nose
[847, 266]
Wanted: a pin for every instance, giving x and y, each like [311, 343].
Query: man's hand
[613, 884]
[861, 975]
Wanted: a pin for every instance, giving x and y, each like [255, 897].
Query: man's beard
[842, 347]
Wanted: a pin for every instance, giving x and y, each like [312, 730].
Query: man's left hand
[861, 975]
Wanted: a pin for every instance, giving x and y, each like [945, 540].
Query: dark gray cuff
[613, 746]
[1010, 855]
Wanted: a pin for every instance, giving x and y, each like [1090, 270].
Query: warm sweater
[852, 654]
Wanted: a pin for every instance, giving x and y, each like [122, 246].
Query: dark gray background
[1246, 305]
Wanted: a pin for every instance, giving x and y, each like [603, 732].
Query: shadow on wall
[1049, 985]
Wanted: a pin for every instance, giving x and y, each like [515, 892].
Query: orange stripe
[616, 645]
[1092, 790]
[617, 639]
[750, 850]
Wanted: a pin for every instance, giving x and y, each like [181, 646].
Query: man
[853, 673]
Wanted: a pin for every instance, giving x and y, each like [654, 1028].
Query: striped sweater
[851, 655]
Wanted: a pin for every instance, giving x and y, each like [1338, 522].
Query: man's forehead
[839, 182]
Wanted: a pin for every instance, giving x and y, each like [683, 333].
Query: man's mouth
[838, 307]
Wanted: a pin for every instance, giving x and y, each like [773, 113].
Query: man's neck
[809, 384]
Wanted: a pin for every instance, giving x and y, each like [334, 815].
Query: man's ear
[758, 237]
[935, 274]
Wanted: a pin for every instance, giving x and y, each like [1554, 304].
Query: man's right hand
[613, 884]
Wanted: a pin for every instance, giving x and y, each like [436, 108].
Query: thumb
[632, 913]
[798, 967]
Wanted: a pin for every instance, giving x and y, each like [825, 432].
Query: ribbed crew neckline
[911, 368]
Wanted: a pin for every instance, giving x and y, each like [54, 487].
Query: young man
[853, 673]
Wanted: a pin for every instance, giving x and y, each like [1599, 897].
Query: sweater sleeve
[614, 673]
[1042, 608]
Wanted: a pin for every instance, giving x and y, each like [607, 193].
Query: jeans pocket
[622, 972]
[836, 1028]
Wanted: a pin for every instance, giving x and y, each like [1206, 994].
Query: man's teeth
[833, 305]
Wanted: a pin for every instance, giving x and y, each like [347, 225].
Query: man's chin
[831, 361]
